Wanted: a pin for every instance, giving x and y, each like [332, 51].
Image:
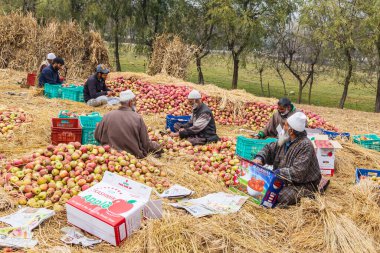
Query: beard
[283, 137]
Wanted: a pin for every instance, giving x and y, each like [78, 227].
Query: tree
[190, 19]
[338, 24]
[118, 12]
[299, 53]
[150, 18]
[239, 23]
[370, 9]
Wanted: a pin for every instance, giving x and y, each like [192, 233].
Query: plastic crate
[88, 124]
[365, 172]
[53, 90]
[73, 93]
[171, 120]
[247, 148]
[65, 131]
[62, 114]
[333, 135]
[373, 141]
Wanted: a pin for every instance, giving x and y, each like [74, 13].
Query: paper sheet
[216, 203]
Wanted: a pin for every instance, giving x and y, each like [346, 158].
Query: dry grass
[345, 219]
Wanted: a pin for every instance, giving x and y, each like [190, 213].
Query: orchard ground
[217, 69]
[345, 219]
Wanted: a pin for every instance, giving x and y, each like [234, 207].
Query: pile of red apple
[11, 119]
[50, 177]
[172, 99]
[218, 161]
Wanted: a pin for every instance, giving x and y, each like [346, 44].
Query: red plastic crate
[65, 131]
[65, 123]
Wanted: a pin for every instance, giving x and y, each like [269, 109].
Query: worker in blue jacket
[50, 74]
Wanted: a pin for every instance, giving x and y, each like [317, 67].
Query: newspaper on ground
[176, 191]
[11, 242]
[28, 217]
[75, 236]
[215, 203]
[17, 232]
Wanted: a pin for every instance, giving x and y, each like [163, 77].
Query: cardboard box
[113, 209]
[325, 151]
[261, 184]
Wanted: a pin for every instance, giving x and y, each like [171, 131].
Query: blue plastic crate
[365, 172]
[171, 120]
[248, 148]
[62, 114]
[333, 135]
[53, 90]
[88, 124]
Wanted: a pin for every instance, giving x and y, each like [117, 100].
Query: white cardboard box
[113, 209]
[325, 151]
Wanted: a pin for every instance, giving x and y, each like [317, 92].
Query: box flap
[336, 144]
[321, 137]
[153, 210]
[135, 189]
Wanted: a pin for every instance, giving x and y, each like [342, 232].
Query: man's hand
[258, 161]
[109, 93]
[255, 136]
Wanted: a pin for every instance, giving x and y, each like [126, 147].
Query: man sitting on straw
[293, 158]
[201, 128]
[285, 109]
[50, 74]
[124, 129]
[95, 90]
[46, 63]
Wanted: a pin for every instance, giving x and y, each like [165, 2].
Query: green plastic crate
[74, 93]
[88, 124]
[247, 148]
[53, 90]
[373, 141]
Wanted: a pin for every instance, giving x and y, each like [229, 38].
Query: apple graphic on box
[121, 206]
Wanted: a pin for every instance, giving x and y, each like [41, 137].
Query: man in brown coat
[285, 109]
[293, 158]
[124, 129]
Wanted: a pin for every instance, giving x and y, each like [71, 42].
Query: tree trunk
[268, 90]
[282, 80]
[300, 89]
[261, 81]
[377, 103]
[29, 6]
[116, 52]
[236, 71]
[310, 87]
[199, 69]
[347, 79]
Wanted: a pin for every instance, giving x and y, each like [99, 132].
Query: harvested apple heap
[215, 160]
[10, 119]
[50, 177]
[172, 99]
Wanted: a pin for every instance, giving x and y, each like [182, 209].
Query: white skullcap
[194, 94]
[297, 121]
[50, 56]
[126, 96]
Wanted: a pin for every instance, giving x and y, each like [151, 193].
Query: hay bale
[18, 42]
[170, 56]
[25, 45]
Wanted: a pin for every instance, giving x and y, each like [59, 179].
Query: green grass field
[218, 70]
